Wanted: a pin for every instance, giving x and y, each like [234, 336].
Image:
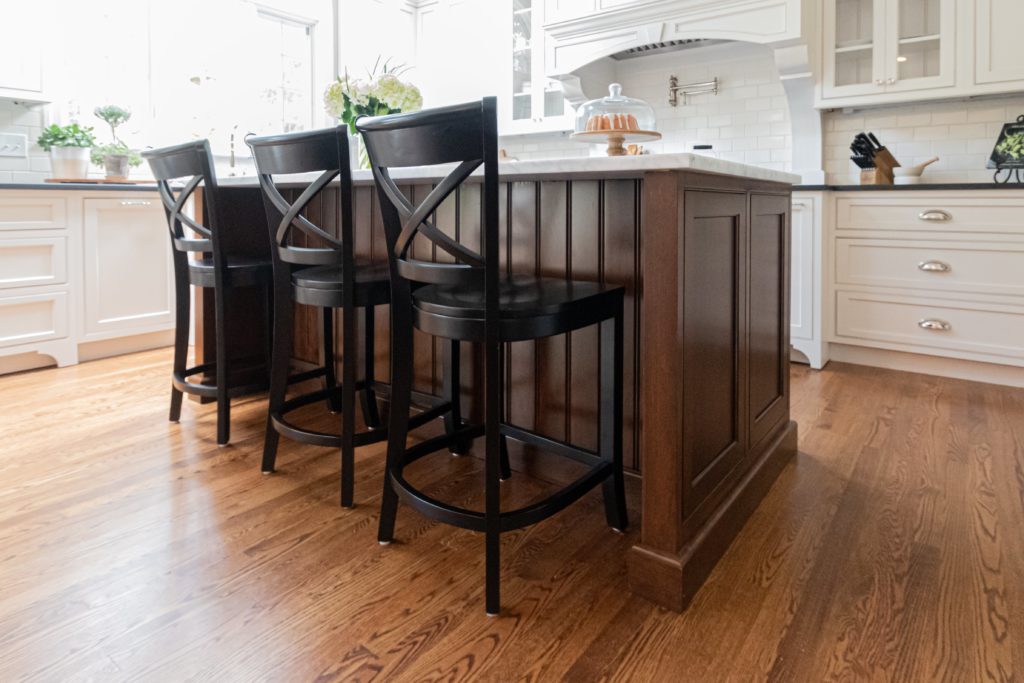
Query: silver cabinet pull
[890, 81]
[934, 215]
[934, 324]
[135, 202]
[934, 266]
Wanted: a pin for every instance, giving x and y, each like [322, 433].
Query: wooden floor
[134, 549]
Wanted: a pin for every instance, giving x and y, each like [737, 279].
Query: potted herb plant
[115, 157]
[69, 149]
[346, 99]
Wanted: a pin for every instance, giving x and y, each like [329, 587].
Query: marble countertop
[624, 166]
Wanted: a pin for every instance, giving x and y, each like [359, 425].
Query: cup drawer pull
[934, 266]
[934, 324]
[135, 202]
[935, 215]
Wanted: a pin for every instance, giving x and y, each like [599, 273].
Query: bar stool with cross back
[219, 266]
[471, 300]
[316, 268]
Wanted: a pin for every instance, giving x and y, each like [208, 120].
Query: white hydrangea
[386, 88]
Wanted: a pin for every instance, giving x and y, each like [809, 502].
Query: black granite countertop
[90, 187]
[909, 188]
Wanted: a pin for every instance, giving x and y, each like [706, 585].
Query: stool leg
[398, 415]
[610, 420]
[348, 405]
[281, 351]
[181, 320]
[451, 392]
[223, 402]
[327, 353]
[506, 467]
[368, 397]
[492, 477]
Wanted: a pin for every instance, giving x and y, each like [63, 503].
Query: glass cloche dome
[615, 119]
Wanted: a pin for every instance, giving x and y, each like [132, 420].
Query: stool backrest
[318, 151]
[465, 134]
[191, 160]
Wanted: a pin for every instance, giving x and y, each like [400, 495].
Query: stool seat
[322, 285]
[529, 307]
[242, 271]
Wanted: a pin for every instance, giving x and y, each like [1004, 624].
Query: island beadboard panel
[581, 229]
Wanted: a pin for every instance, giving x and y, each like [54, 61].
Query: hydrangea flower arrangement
[385, 93]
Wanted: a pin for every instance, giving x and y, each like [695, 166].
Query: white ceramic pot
[69, 162]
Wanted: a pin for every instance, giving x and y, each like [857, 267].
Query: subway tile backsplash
[748, 121]
[28, 121]
[960, 132]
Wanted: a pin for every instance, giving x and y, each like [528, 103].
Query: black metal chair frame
[467, 135]
[324, 152]
[192, 160]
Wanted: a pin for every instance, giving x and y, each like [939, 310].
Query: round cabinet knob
[934, 324]
[879, 81]
[891, 81]
[934, 266]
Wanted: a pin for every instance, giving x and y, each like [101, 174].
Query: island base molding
[672, 579]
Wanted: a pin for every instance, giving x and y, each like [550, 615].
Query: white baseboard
[990, 373]
[89, 351]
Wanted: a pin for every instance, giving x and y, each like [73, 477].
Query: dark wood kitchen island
[702, 248]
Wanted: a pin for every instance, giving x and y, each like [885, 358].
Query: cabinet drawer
[937, 213]
[33, 212]
[33, 318]
[33, 262]
[971, 327]
[971, 267]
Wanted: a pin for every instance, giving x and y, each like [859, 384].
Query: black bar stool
[472, 300]
[215, 267]
[327, 276]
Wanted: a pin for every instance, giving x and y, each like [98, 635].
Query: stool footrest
[510, 520]
[332, 440]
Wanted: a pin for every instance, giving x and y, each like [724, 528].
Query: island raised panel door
[713, 291]
[767, 336]
[128, 277]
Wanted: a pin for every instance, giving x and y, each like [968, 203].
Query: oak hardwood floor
[134, 549]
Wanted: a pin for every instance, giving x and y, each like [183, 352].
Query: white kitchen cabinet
[929, 281]
[128, 287]
[530, 102]
[876, 49]
[22, 44]
[806, 264]
[83, 274]
[998, 45]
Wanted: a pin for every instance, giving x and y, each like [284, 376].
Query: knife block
[881, 174]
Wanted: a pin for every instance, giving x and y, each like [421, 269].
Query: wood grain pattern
[134, 549]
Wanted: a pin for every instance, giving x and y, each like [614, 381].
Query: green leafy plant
[115, 149]
[114, 116]
[1012, 146]
[71, 135]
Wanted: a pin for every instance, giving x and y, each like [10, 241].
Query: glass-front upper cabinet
[875, 47]
[533, 103]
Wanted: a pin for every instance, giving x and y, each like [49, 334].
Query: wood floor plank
[134, 549]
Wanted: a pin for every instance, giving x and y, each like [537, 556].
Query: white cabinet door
[998, 44]
[22, 40]
[920, 45]
[128, 275]
[531, 102]
[875, 50]
[854, 48]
